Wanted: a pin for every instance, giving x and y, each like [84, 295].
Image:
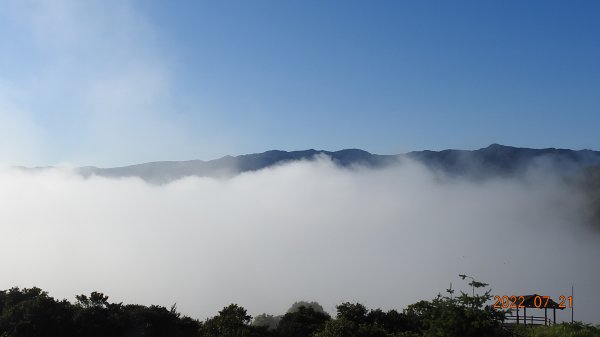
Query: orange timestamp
[531, 301]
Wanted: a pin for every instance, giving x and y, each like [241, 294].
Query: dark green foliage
[232, 321]
[339, 327]
[268, 321]
[355, 320]
[271, 322]
[301, 323]
[462, 316]
[576, 329]
[96, 299]
[31, 312]
[315, 305]
[156, 321]
[448, 318]
[353, 312]
[391, 321]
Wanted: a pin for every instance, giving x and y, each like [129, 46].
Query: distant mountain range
[493, 160]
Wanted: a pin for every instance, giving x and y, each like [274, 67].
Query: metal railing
[526, 320]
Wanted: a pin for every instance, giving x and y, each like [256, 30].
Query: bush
[577, 329]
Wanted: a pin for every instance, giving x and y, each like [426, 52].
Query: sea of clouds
[306, 230]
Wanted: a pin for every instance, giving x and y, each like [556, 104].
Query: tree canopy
[31, 312]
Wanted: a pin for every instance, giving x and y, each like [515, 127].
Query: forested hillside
[33, 313]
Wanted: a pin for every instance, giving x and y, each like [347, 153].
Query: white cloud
[306, 230]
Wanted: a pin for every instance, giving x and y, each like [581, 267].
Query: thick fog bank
[302, 231]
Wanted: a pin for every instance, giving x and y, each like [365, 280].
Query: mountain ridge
[492, 160]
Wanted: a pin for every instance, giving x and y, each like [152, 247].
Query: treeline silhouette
[31, 312]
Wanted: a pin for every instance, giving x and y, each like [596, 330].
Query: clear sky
[119, 82]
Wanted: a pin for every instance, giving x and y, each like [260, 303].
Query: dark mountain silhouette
[493, 160]
[165, 171]
[504, 160]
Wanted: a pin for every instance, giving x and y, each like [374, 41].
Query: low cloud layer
[302, 231]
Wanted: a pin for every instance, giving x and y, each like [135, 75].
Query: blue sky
[119, 82]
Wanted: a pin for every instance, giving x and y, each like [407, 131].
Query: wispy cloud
[97, 78]
[20, 136]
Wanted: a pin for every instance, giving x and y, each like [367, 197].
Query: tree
[96, 317]
[315, 305]
[339, 327]
[269, 321]
[303, 322]
[157, 321]
[462, 316]
[96, 299]
[353, 312]
[391, 321]
[355, 320]
[31, 312]
[232, 321]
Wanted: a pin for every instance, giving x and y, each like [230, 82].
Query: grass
[576, 329]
